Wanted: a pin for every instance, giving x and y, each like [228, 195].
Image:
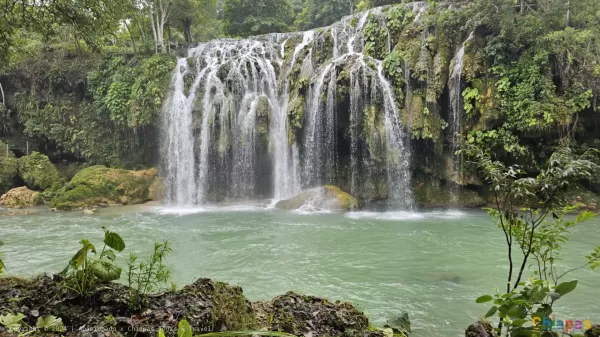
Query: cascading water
[456, 106]
[264, 117]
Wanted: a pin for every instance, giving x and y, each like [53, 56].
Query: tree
[521, 208]
[255, 17]
[196, 19]
[158, 11]
[319, 13]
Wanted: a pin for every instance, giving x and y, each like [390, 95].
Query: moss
[156, 191]
[8, 168]
[295, 112]
[346, 200]
[231, 308]
[327, 197]
[374, 132]
[263, 113]
[38, 172]
[101, 186]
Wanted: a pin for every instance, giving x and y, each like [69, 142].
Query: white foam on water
[406, 215]
[209, 209]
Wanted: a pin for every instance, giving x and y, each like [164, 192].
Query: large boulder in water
[38, 172]
[20, 197]
[8, 168]
[102, 186]
[323, 198]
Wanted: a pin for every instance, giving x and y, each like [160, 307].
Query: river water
[431, 264]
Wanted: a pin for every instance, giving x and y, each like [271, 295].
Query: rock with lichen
[327, 197]
[20, 197]
[102, 186]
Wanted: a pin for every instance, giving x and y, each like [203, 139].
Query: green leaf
[109, 254]
[184, 329]
[50, 323]
[113, 240]
[565, 287]
[491, 312]
[483, 299]
[11, 321]
[519, 322]
[106, 271]
[81, 256]
[161, 333]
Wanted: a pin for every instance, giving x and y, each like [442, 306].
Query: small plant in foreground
[151, 275]
[86, 272]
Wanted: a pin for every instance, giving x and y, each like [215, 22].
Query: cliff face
[377, 104]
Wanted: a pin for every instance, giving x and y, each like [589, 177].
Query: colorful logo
[566, 326]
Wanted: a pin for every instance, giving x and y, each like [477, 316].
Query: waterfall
[456, 101]
[179, 145]
[262, 117]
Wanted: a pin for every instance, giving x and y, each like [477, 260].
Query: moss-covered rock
[206, 304]
[102, 186]
[327, 197]
[38, 172]
[8, 168]
[157, 189]
[20, 197]
[303, 315]
[479, 329]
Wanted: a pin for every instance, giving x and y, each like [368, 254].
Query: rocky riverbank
[209, 306]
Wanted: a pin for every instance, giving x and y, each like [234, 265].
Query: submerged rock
[323, 198]
[38, 172]
[102, 186]
[20, 197]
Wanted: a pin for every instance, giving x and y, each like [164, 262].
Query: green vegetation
[255, 17]
[38, 172]
[531, 213]
[86, 272]
[8, 168]
[151, 275]
[102, 186]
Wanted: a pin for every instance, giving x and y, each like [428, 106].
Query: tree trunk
[567, 17]
[187, 30]
[154, 31]
[130, 36]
